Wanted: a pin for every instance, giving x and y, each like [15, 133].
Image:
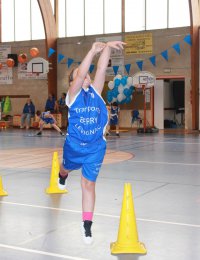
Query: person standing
[85, 145]
[63, 109]
[114, 117]
[28, 112]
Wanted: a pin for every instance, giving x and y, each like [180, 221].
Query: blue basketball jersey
[88, 117]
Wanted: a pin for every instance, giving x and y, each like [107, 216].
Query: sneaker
[62, 182]
[39, 133]
[61, 133]
[117, 134]
[86, 232]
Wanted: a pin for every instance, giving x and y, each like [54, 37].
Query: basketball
[34, 52]
[35, 124]
[10, 63]
[22, 58]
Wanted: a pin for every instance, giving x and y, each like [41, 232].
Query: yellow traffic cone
[2, 191]
[53, 187]
[127, 241]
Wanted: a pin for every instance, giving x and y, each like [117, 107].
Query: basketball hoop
[143, 81]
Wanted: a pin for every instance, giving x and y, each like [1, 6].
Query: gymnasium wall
[177, 65]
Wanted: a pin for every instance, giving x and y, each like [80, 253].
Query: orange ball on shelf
[1, 66]
[34, 52]
[10, 63]
[22, 58]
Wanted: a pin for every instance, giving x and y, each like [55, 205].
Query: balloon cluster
[120, 90]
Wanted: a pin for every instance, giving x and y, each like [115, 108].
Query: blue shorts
[48, 120]
[114, 120]
[87, 157]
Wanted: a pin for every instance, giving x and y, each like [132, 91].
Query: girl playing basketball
[85, 145]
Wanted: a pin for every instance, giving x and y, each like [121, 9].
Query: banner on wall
[138, 43]
[116, 57]
[6, 74]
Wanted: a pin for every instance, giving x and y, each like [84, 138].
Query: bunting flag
[91, 68]
[127, 67]
[69, 62]
[51, 51]
[188, 39]
[153, 60]
[140, 64]
[176, 47]
[165, 54]
[115, 69]
[60, 57]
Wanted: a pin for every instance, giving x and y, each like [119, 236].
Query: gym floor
[164, 173]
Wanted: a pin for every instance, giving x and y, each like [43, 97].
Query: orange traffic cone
[127, 241]
[2, 191]
[53, 187]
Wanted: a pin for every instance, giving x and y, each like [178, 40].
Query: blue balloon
[124, 81]
[127, 92]
[132, 89]
[128, 100]
[115, 92]
[109, 93]
[117, 82]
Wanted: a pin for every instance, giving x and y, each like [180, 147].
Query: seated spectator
[50, 104]
[28, 112]
[63, 109]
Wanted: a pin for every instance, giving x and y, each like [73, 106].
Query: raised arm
[103, 63]
[79, 74]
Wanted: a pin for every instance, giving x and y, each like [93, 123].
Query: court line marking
[173, 163]
[101, 214]
[41, 252]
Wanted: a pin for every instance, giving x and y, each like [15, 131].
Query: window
[113, 16]
[134, 15]
[37, 26]
[93, 17]
[156, 14]
[8, 33]
[75, 17]
[179, 15]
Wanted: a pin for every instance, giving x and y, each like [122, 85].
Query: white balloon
[120, 89]
[114, 99]
[110, 84]
[118, 76]
[121, 97]
[129, 81]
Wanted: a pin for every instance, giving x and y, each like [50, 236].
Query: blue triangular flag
[115, 69]
[51, 51]
[176, 47]
[153, 60]
[165, 54]
[140, 64]
[188, 39]
[91, 68]
[127, 67]
[69, 62]
[60, 57]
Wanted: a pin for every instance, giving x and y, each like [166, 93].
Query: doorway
[174, 103]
